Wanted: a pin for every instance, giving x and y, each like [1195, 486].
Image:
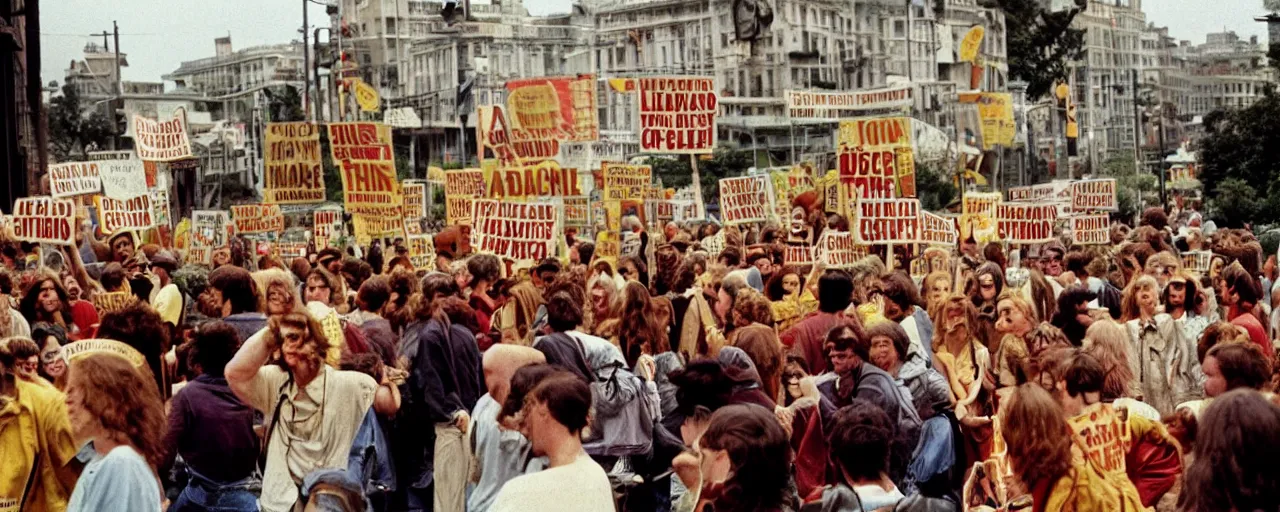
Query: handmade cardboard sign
[461, 187]
[798, 255]
[122, 179]
[837, 249]
[978, 216]
[577, 211]
[257, 218]
[677, 114]
[515, 231]
[210, 228]
[74, 179]
[291, 250]
[838, 105]
[1025, 223]
[128, 215]
[1094, 195]
[937, 230]
[325, 222]
[870, 151]
[43, 219]
[162, 141]
[360, 141]
[547, 111]
[544, 179]
[888, 221]
[1091, 230]
[415, 199]
[789, 182]
[1198, 261]
[746, 199]
[292, 164]
[422, 251]
[624, 182]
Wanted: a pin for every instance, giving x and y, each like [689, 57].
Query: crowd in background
[1044, 377]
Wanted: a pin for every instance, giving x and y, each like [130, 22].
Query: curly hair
[30, 304]
[1219, 333]
[639, 332]
[1108, 342]
[123, 400]
[753, 307]
[282, 280]
[1037, 436]
[139, 326]
[300, 319]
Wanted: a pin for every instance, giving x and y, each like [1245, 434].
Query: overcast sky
[158, 36]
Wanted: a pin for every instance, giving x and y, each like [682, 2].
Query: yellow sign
[366, 95]
[971, 43]
[995, 110]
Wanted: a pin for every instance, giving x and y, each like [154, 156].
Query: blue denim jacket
[370, 459]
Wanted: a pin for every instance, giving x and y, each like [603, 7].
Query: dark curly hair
[139, 326]
[213, 346]
[759, 454]
[1037, 435]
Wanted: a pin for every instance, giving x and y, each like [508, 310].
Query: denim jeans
[204, 495]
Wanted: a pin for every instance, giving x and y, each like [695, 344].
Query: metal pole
[909, 20]
[115, 29]
[315, 70]
[1137, 126]
[1164, 205]
[306, 63]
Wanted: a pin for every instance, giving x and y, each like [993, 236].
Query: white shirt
[578, 487]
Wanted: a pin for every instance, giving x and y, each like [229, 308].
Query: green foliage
[1040, 44]
[232, 191]
[1242, 144]
[1134, 190]
[284, 105]
[70, 131]
[934, 188]
[1233, 203]
[727, 162]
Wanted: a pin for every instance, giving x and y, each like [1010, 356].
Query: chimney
[222, 46]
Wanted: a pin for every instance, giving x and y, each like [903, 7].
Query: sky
[158, 36]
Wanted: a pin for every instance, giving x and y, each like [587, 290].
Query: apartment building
[94, 77]
[232, 72]
[1103, 79]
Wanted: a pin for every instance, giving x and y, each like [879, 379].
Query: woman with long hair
[279, 295]
[1107, 342]
[45, 300]
[113, 404]
[1039, 443]
[983, 289]
[1167, 371]
[790, 298]
[1234, 468]
[604, 306]
[639, 332]
[745, 462]
[936, 288]
[965, 361]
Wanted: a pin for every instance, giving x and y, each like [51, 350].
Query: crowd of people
[1047, 377]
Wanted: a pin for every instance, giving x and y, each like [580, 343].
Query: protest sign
[1091, 230]
[74, 179]
[1199, 262]
[415, 199]
[1094, 195]
[937, 230]
[746, 199]
[43, 219]
[831, 105]
[577, 211]
[683, 210]
[292, 164]
[386, 224]
[798, 255]
[403, 117]
[630, 244]
[869, 151]
[888, 221]
[547, 111]
[115, 215]
[713, 244]
[291, 250]
[422, 251]
[837, 249]
[544, 179]
[162, 141]
[995, 111]
[325, 222]
[607, 247]
[98, 156]
[493, 138]
[369, 184]
[515, 231]
[789, 182]
[210, 228]
[257, 218]
[122, 179]
[460, 188]
[360, 141]
[677, 114]
[111, 302]
[624, 182]
[1025, 223]
[83, 348]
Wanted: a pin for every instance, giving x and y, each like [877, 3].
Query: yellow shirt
[34, 430]
[791, 309]
[168, 303]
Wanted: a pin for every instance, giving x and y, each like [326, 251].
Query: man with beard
[1183, 303]
[83, 314]
[1125, 446]
[1167, 368]
[312, 411]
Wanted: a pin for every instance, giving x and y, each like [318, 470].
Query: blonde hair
[267, 278]
[1129, 309]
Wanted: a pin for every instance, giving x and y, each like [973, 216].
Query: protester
[113, 405]
[554, 415]
[860, 444]
[807, 337]
[312, 411]
[168, 300]
[1230, 366]
[235, 295]
[1233, 469]
[889, 348]
[501, 454]
[40, 468]
[743, 461]
[1166, 371]
[1240, 294]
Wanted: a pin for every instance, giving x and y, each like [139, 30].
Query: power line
[58, 34]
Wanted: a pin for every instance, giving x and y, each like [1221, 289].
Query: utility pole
[115, 30]
[315, 70]
[1164, 204]
[306, 64]
[909, 20]
[1137, 128]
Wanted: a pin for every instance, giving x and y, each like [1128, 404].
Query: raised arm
[242, 368]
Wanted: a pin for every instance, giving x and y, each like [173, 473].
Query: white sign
[403, 117]
[122, 179]
[835, 105]
[74, 179]
[162, 141]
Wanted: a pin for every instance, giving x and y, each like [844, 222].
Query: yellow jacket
[37, 449]
[1085, 488]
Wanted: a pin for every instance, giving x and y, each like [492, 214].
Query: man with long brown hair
[313, 411]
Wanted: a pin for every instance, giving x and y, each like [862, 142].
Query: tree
[1241, 144]
[726, 162]
[934, 188]
[284, 105]
[1040, 43]
[71, 131]
[1134, 190]
[1234, 202]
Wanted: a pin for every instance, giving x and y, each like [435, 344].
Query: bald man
[500, 454]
